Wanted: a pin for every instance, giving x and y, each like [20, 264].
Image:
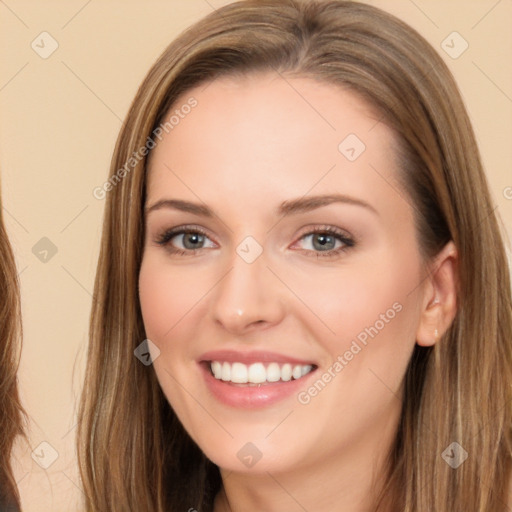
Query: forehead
[273, 136]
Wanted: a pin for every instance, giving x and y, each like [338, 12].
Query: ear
[439, 303]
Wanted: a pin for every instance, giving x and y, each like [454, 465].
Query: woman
[10, 335]
[299, 236]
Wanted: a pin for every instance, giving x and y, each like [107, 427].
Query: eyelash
[165, 237]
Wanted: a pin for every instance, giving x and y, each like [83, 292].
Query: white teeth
[217, 369]
[226, 372]
[257, 373]
[286, 372]
[273, 372]
[238, 373]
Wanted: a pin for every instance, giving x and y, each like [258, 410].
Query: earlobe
[439, 305]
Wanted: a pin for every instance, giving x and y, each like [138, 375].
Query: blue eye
[327, 242]
[324, 241]
[190, 240]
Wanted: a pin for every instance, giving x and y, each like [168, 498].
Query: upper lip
[255, 356]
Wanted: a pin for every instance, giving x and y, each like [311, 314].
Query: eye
[184, 240]
[326, 241]
[323, 241]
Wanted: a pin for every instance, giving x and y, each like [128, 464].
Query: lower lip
[250, 397]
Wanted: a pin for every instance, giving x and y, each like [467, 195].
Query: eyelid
[348, 240]
[322, 228]
[164, 237]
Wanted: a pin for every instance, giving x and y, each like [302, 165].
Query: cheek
[373, 315]
[368, 310]
[166, 296]
[348, 300]
[154, 295]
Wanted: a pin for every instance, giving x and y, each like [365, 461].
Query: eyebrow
[290, 207]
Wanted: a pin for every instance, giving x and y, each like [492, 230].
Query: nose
[248, 297]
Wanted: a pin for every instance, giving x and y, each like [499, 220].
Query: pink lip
[233, 356]
[245, 396]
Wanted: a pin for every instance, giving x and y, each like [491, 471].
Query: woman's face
[278, 238]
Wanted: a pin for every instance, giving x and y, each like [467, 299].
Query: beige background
[59, 120]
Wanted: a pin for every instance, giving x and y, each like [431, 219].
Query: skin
[250, 144]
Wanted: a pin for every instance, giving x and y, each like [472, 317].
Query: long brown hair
[11, 412]
[133, 452]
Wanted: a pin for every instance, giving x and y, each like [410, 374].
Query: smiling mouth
[259, 373]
